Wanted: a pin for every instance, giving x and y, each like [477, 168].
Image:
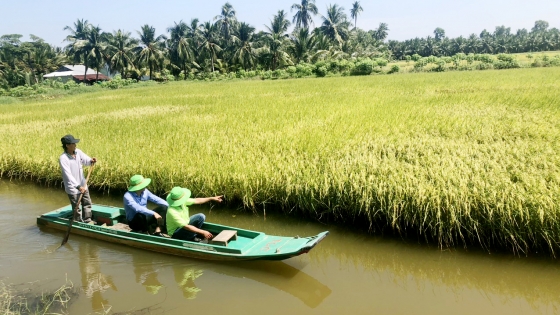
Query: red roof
[92, 77]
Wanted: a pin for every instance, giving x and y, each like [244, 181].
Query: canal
[350, 272]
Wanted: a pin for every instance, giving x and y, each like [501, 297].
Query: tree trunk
[85, 65]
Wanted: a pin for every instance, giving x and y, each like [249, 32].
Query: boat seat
[224, 236]
[106, 215]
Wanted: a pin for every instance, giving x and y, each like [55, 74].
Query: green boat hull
[249, 245]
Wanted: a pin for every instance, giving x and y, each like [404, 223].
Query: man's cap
[69, 139]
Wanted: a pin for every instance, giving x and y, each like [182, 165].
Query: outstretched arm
[199, 201]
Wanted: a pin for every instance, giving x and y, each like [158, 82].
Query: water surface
[348, 273]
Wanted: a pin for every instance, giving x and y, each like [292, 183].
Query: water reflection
[145, 273]
[278, 275]
[94, 283]
[185, 276]
[412, 266]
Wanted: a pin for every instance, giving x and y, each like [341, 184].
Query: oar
[75, 210]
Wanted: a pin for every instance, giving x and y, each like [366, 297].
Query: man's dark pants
[144, 223]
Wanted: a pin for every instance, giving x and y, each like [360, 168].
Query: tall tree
[150, 49]
[243, 46]
[94, 46]
[180, 46]
[381, 32]
[226, 20]
[120, 50]
[439, 34]
[210, 41]
[335, 24]
[76, 48]
[303, 17]
[277, 38]
[279, 24]
[355, 11]
[303, 44]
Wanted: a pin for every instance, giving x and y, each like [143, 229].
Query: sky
[406, 18]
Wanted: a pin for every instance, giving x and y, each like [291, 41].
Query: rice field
[456, 158]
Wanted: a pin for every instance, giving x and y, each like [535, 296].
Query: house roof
[74, 70]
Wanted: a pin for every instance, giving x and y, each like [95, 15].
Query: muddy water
[347, 273]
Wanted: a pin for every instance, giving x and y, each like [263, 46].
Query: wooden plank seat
[108, 216]
[224, 237]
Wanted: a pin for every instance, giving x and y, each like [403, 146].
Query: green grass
[458, 157]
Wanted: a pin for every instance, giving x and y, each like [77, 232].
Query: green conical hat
[178, 196]
[138, 182]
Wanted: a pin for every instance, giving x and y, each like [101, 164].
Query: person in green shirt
[179, 224]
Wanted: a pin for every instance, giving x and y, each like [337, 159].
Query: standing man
[139, 217]
[71, 162]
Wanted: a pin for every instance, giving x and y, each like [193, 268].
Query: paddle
[75, 210]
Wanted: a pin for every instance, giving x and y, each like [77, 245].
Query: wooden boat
[229, 243]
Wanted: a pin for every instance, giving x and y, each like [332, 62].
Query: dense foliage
[226, 46]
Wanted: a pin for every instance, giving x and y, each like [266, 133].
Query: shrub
[484, 66]
[303, 70]
[364, 67]
[291, 70]
[321, 71]
[266, 75]
[485, 58]
[416, 57]
[381, 62]
[394, 69]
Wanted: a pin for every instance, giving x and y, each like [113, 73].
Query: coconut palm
[276, 39]
[335, 24]
[244, 53]
[150, 49]
[75, 48]
[180, 46]
[381, 32]
[279, 24]
[226, 20]
[120, 50]
[355, 11]
[303, 43]
[94, 47]
[303, 17]
[209, 41]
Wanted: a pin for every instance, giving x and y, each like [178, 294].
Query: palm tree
[226, 20]
[180, 45]
[381, 32]
[276, 39]
[120, 48]
[77, 34]
[303, 43]
[209, 41]
[94, 47]
[151, 48]
[356, 9]
[279, 24]
[335, 24]
[303, 18]
[243, 50]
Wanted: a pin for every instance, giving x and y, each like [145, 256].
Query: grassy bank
[456, 157]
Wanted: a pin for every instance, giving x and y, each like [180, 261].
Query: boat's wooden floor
[119, 226]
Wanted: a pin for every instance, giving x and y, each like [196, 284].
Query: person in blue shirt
[140, 218]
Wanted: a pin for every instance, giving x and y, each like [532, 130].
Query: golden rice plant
[459, 158]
